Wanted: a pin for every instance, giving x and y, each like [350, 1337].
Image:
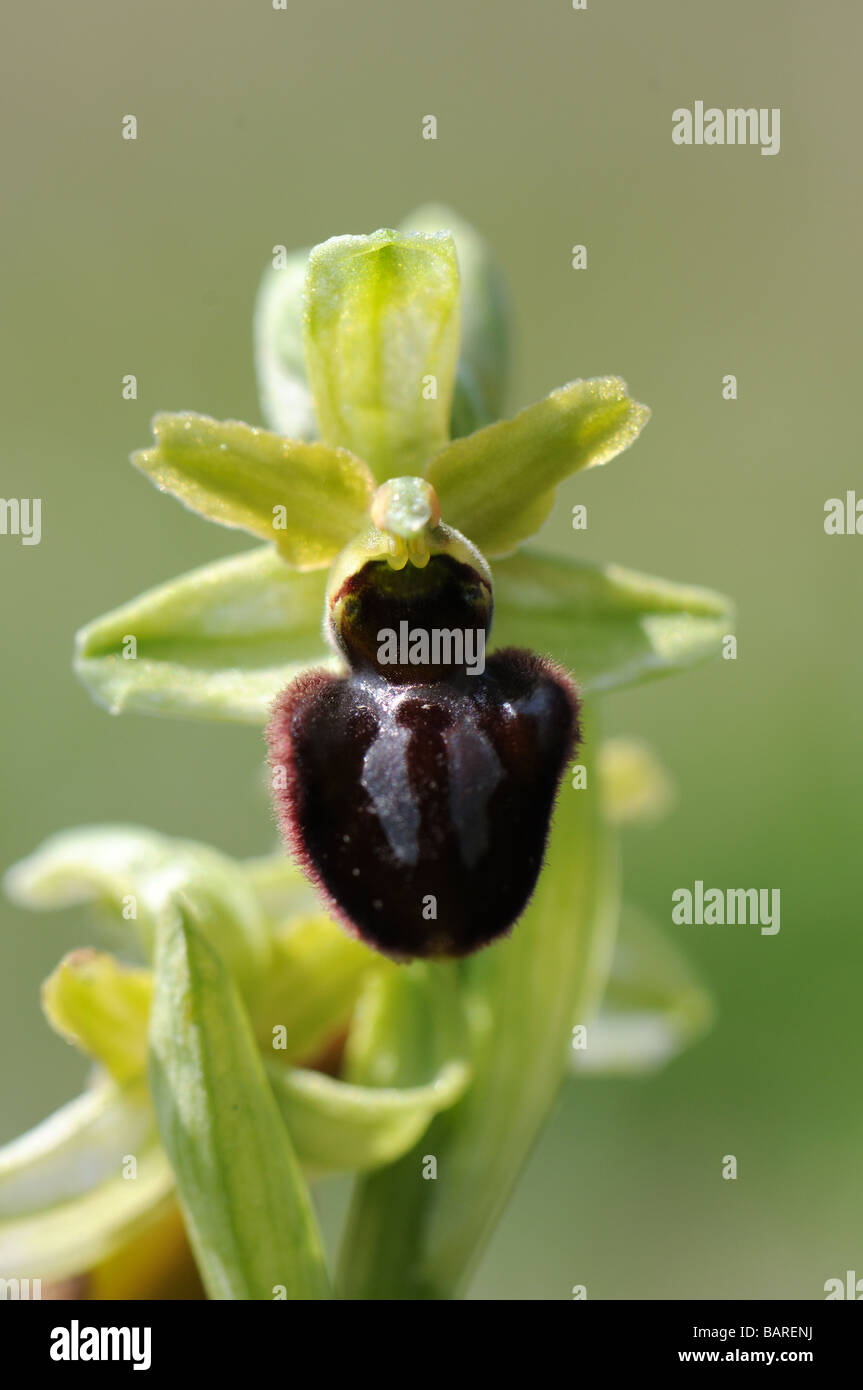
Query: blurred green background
[259, 127]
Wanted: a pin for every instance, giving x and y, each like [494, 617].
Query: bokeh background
[259, 127]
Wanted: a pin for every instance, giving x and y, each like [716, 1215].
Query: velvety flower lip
[421, 811]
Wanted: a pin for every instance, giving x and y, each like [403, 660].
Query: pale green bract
[250, 1045]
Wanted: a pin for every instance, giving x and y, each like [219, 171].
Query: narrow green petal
[637, 788]
[412, 1238]
[102, 1007]
[314, 980]
[280, 363]
[245, 1202]
[340, 1128]
[217, 643]
[381, 340]
[610, 626]
[483, 359]
[136, 873]
[308, 498]
[70, 1194]
[497, 485]
[653, 1008]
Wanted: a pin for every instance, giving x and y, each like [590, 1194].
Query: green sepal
[610, 626]
[381, 343]
[217, 643]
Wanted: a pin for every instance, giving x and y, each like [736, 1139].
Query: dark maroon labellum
[418, 797]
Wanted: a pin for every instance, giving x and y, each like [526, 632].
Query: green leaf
[314, 980]
[218, 643]
[136, 873]
[654, 1006]
[637, 789]
[340, 1128]
[483, 359]
[245, 1202]
[280, 364]
[310, 499]
[67, 1199]
[102, 1007]
[610, 626]
[497, 485]
[381, 319]
[410, 1239]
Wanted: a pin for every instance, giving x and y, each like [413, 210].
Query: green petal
[137, 873]
[497, 485]
[610, 626]
[309, 499]
[280, 364]
[381, 320]
[246, 1206]
[337, 1127]
[101, 1006]
[483, 359]
[653, 1008]
[218, 643]
[312, 985]
[409, 1238]
[637, 789]
[65, 1203]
